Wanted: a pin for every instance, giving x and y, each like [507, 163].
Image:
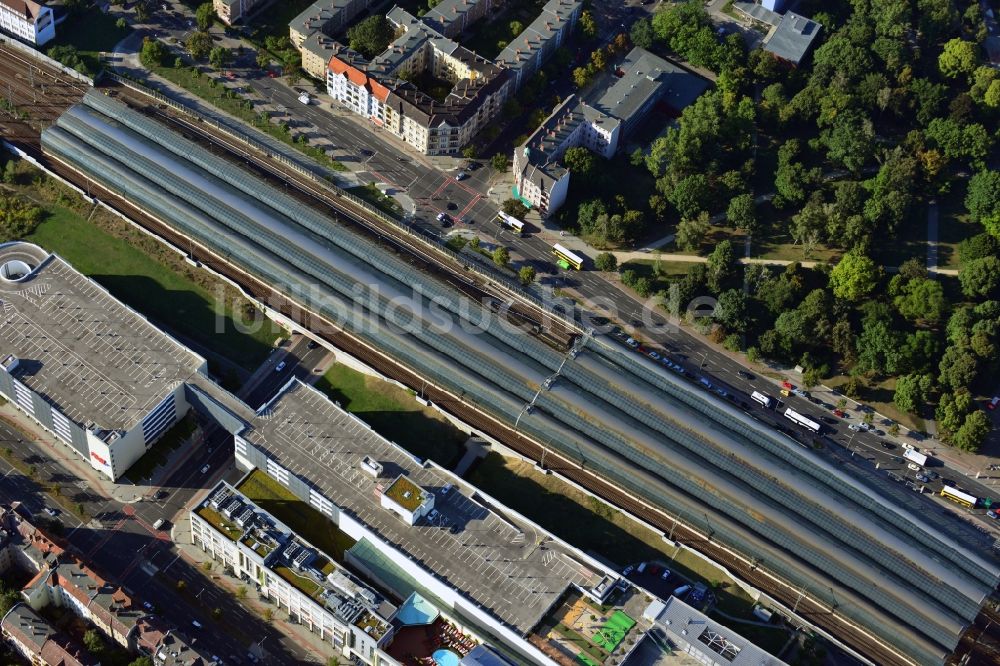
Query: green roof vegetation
[377, 626]
[297, 515]
[405, 493]
[305, 585]
[216, 520]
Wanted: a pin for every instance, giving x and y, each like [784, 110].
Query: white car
[280, 366]
[148, 606]
[204, 470]
[913, 466]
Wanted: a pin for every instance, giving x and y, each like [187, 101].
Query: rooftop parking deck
[504, 564]
[83, 350]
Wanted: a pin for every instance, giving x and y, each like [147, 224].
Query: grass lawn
[774, 242]
[143, 467]
[395, 414]
[217, 95]
[954, 226]
[879, 397]
[162, 293]
[375, 197]
[301, 518]
[91, 32]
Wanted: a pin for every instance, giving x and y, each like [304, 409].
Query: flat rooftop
[508, 567]
[79, 347]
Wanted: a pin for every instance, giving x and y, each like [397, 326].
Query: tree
[199, 45]
[144, 660]
[851, 141]
[181, 585]
[268, 615]
[220, 57]
[18, 217]
[958, 58]
[526, 275]
[642, 34]
[121, 24]
[606, 262]
[501, 256]
[973, 432]
[982, 198]
[958, 367]
[921, 300]
[854, 277]
[371, 36]
[516, 28]
[92, 641]
[587, 25]
[951, 410]
[722, 264]
[912, 392]
[581, 162]
[690, 195]
[980, 277]
[742, 213]
[581, 76]
[499, 162]
[143, 10]
[977, 247]
[241, 592]
[514, 208]
[153, 53]
[691, 231]
[204, 15]
[732, 311]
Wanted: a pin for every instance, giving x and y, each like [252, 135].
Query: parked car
[653, 355]
[205, 468]
[280, 366]
[665, 575]
[787, 385]
[629, 569]
[840, 413]
[799, 392]
[704, 382]
[913, 466]
[51, 512]
[922, 478]
[855, 427]
[992, 404]
[887, 446]
[461, 175]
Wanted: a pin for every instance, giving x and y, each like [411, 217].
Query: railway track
[551, 330]
[31, 88]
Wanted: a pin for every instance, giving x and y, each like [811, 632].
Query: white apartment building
[28, 21]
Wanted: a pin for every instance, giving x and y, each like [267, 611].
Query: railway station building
[93, 372]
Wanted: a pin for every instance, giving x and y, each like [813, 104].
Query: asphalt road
[120, 543]
[302, 359]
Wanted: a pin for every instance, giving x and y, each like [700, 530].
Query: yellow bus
[567, 259]
[959, 497]
[515, 225]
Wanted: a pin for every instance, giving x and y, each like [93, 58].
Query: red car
[992, 404]
[839, 413]
[787, 385]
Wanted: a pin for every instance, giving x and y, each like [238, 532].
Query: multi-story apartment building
[526, 54]
[380, 89]
[311, 32]
[452, 17]
[28, 21]
[234, 11]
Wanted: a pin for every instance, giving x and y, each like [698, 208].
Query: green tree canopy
[921, 300]
[606, 262]
[581, 162]
[18, 218]
[742, 214]
[854, 277]
[722, 265]
[912, 392]
[371, 36]
[982, 198]
[153, 52]
[501, 256]
[959, 58]
[980, 277]
[526, 275]
[199, 45]
[951, 410]
[973, 432]
[220, 57]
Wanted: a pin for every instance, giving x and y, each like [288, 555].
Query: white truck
[915, 456]
[305, 99]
